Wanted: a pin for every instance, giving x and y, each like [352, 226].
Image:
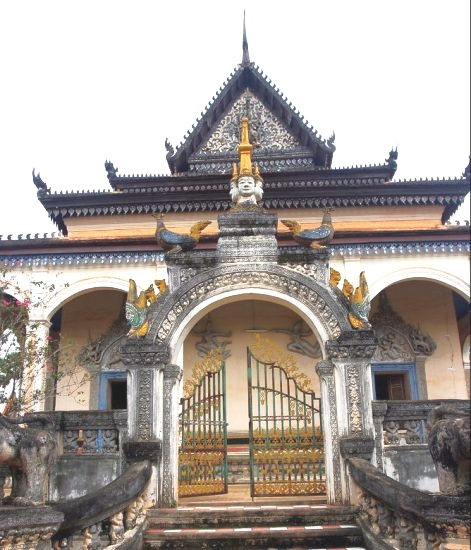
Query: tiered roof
[296, 164]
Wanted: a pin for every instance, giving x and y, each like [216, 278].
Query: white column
[33, 384]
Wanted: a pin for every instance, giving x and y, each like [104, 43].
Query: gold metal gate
[202, 468]
[285, 434]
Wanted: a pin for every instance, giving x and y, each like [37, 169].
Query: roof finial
[245, 167]
[245, 48]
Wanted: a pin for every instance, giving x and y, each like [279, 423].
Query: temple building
[256, 297]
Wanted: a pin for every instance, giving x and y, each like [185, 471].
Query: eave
[39, 246]
[210, 194]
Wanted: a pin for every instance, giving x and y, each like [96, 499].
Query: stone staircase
[270, 525]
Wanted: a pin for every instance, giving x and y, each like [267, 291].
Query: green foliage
[25, 357]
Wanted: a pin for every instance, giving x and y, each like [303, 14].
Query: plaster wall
[235, 318]
[84, 319]
[73, 476]
[429, 307]
[412, 467]
[373, 218]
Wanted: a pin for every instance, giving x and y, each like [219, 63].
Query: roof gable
[281, 137]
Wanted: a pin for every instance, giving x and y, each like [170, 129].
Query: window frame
[105, 379]
[397, 368]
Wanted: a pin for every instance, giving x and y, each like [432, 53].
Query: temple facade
[255, 297]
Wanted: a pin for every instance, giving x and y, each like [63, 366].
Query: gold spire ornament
[246, 181]
[245, 149]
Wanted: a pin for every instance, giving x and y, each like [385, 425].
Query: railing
[87, 432]
[111, 516]
[393, 515]
[404, 423]
[90, 432]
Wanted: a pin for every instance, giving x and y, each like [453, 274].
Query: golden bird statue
[360, 303]
[319, 237]
[137, 306]
[176, 242]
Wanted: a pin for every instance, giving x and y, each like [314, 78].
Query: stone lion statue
[30, 453]
[449, 445]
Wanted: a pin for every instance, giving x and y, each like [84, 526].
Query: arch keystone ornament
[246, 263]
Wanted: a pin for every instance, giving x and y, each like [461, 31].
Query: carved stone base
[28, 527]
[247, 234]
[357, 447]
[143, 450]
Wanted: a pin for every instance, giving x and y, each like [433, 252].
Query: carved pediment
[397, 340]
[281, 137]
[104, 353]
[267, 132]
[269, 136]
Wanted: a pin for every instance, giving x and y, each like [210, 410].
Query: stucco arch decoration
[454, 282]
[84, 286]
[314, 300]
[216, 301]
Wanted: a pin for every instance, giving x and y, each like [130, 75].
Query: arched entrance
[155, 371]
[251, 409]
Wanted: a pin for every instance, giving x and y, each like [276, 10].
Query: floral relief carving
[248, 278]
[353, 386]
[144, 405]
[310, 270]
[397, 340]
[325, 371]
[267, 133]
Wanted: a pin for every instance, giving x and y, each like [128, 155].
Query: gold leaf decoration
[211, 362]
[266, 351]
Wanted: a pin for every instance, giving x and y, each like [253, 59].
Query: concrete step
[261, 537]
[295, 526]
[252, 515]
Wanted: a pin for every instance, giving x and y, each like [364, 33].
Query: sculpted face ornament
[246, 182]
[246, 186]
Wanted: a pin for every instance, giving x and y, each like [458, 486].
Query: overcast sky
[82, 82]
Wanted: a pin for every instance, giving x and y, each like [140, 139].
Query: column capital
[352, 345]
[173, 372]
[35, 319]
[324, 368]
[357, 447]
[139, 353]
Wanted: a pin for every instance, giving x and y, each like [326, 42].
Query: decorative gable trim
[248, 79]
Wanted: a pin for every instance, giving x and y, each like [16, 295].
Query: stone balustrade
[89, 432]
[121, 530]
[392, 515]
[405, 422]
[112, 516]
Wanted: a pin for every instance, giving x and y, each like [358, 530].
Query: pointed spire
[245, 48]
[245, 149]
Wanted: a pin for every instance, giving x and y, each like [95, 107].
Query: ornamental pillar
[334, 467]
[379, 413]
[33, 384]
[351, 356]
[145, 365]
[169, 486]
